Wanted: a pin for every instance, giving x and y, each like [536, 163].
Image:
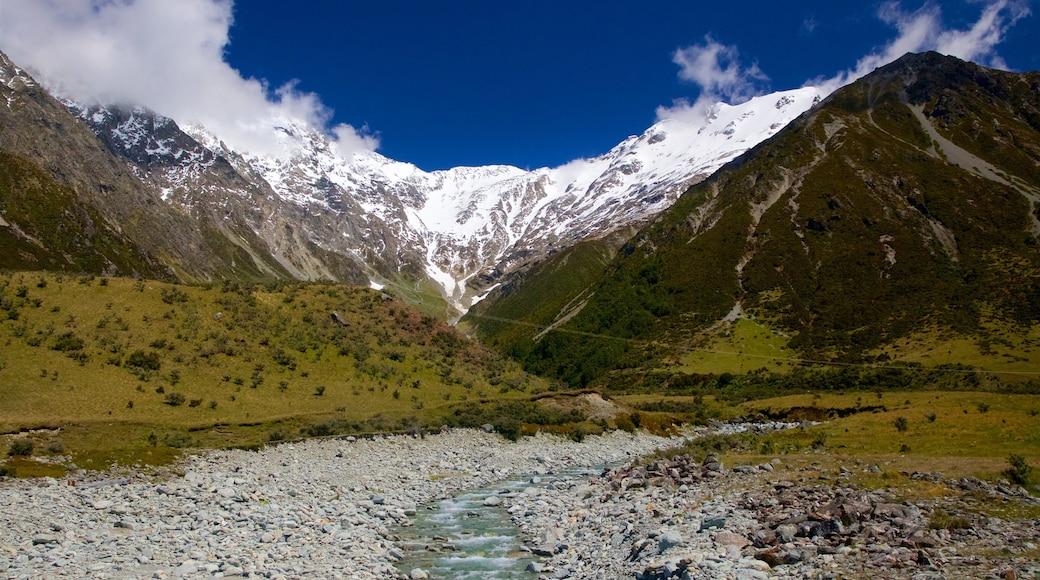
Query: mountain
[69, 204]
[442, 238]
[904, 204]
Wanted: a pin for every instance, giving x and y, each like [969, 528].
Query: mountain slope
[444, 238]
[906, 200]
[70, 204]
[472, 225]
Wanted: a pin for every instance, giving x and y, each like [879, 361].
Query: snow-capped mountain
[455, 232]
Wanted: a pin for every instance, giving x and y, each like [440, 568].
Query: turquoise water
[485, 541]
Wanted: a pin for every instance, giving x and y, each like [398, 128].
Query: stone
[418, 574]
[668, 540]
[492, 501]
[731, 539]
[920, 539]
[44, 539]
[103, 504]
[786, 532]
[187, 567]
[712, 522]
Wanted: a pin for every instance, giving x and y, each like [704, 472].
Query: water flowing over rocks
[329, 508]
[314, 508]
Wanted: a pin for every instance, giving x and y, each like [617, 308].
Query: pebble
[698, 521]
[328, 508]
[313, 508]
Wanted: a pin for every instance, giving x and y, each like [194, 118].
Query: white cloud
[923, 30]
[716, 69]
[165, 54]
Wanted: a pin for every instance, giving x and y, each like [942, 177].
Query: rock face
[308, 211]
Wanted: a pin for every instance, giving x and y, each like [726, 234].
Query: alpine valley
[442, 239]
[836, 294]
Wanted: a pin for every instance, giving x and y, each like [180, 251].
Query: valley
[287, 352]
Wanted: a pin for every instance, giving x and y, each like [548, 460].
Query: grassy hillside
[131, 369]
[544, 296]
[875, 228]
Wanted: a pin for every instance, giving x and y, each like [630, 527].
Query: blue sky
[440, 84]
[542, 82]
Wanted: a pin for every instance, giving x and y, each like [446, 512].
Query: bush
[901, 424]
[20, 447]
[174, 399]
[177, 440]
[171, 294]
[67, 342]
[942, 520]
[1020, 472]
[7, 471]
[140, 359]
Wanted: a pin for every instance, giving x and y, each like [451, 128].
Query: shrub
[7, 471]
[141, 360]
[171, 294]
[20, 447]
[942, 520]
[194, 402]
[67, 342]
[319, 390]
[931, 417]
[320, 429]
[177, 440]
[983, 407]
[901, 424]
[1020, 472]
[174, 399]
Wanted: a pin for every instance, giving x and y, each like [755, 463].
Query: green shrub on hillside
[20, 447]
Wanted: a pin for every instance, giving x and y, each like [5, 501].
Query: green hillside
[900, 211]
[131, 370]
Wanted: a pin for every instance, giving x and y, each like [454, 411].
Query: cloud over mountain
[164, 54]
[717, 72]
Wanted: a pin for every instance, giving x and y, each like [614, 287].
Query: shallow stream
[460, 537]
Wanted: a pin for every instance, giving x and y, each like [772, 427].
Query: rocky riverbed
[317, 508]
[329, 509]
[683, 519]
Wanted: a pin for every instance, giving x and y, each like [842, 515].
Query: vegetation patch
[124, 365]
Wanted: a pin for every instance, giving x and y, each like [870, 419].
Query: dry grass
[248, 362]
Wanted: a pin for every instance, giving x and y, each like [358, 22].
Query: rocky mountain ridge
[903, 203]
[446, 236]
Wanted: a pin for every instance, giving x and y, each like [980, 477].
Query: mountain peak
[467, 227]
